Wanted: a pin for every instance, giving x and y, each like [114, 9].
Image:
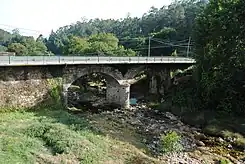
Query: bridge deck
[62, 60]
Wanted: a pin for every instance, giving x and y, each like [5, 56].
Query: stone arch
[131, 73]
[74, 73]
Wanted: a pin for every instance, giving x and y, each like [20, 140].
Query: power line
[149, 46]
[169, 41]
[170, 44]
[129, 40]
[23, 32]
[188, 49]
[156, 47]
[15, 27]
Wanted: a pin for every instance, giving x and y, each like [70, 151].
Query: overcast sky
[45, 15]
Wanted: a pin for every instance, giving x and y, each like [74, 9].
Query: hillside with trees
[169, 28]
[22, 45]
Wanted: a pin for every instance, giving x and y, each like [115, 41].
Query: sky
[33, 17]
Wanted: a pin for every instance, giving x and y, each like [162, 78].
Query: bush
[224, 161]
[60, 139]
[171, 142]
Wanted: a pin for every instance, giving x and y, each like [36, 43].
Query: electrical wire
[170, 44]
[15, 27]
[22, 32]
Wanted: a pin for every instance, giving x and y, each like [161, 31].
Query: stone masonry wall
[22, 94]
[23, 87]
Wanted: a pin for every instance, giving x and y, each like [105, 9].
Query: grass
[56, 136]
[227, 128]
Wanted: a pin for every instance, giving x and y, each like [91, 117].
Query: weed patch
[171, 142]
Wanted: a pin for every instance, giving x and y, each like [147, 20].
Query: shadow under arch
[110, 73]
[139, 86]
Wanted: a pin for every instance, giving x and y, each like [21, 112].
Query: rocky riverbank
[151, 124]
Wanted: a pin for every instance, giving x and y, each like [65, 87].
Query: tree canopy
[220, 48]
[22, 45]
[128, 36]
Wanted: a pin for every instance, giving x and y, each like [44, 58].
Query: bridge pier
[65, 95]
[164, 81]
[153, 85]
[160, 81]
[118, 94]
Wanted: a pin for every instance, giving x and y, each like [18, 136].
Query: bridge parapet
[71, 60]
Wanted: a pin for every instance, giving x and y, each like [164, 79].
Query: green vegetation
[230, 130]
[121, 37]
[220, 56]
[224, 161]
[102, 43]
[55, 92]
[22, 45]
[171, 142]
[216, 84]
[56, 136]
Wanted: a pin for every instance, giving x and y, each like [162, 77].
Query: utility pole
[188, 48]
[149, 47]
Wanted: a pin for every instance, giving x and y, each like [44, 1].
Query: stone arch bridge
[26, 85]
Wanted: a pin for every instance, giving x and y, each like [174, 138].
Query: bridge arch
[111, 74]
[113, 79]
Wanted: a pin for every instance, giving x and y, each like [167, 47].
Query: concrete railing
[61, 60]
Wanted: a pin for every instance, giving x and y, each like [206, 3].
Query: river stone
[229, 146]
[220, 140]
[171, 116]
[200, 136]
[200, 143]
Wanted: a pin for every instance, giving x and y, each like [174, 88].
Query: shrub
[224, 161]
[58, 137]
[171, 142]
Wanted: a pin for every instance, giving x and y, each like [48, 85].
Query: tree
[18, 48]
[40, 48]
[3, 48]
[76, 46]
[54, 43]
[220, 42]
[107, 38]
[97, 44]
[4, 36]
